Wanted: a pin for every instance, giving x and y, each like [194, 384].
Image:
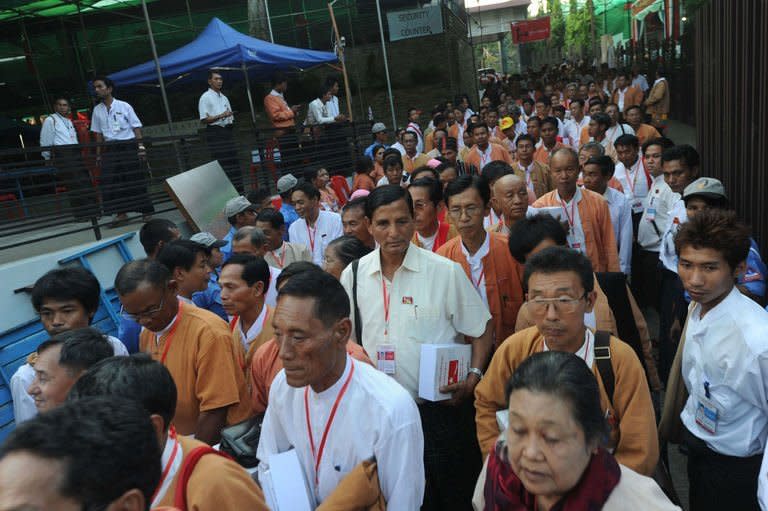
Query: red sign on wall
[529, 31]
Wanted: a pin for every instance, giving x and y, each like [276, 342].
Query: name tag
[650, 214]
[576, 240]
[637, 206]
[385, 358]
[706, 415]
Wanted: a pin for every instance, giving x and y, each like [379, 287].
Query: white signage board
[415, 22]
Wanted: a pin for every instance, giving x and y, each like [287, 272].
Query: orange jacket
[278, 111]
[596, 223]
[542, 154]
[503, 281]
[632, 96]
[498, 152]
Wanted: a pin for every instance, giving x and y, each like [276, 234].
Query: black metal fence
[81, 187]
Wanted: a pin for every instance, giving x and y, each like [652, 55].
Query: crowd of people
[587, 261]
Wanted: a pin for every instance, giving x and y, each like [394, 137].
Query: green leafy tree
[578, 30]
[557, 24]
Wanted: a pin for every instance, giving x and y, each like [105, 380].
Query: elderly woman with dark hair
[341, 252]
[551, 456]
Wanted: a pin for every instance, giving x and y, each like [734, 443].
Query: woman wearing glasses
[560, 290]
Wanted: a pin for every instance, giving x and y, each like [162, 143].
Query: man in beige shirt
[279, 253]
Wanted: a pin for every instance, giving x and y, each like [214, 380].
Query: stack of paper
[442, 364]
[284, 485]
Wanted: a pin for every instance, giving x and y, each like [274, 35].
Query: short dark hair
[72, 283]
[278, 78]
[307, 189]
[410, 132]
[549, 120]
[392, 160]
[544, 101]
[438, 119]
[274, 217]
[627, 140]
[310, 173]
[356, 203]
[528, 100]
[464, 183]
[633, 107]
[385, 195]
[134, 273]
[212, 72]
[478, 125]
[155, 231]
[527, 233]
[579, 101]
[432, 185]
[565, 376]
[525, 136]
[560, 259]
[294, 269]
[425, 169]
[607, 167]
[534, 119]
[255, 269]
[258, 196]
[602, 118]
[138, 378]
[719, 230]
[451, 143]
[496, 169]
[107, 81]
[107, 446]
[682, 152]
[331, 300]
[363, 164]
[349, 248]
[81, 348]
[662, 142]
[181, 254]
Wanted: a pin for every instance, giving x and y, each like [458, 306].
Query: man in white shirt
[65, 299]
[123, 162]
[579, 120]
[635, 178]
[336, 412]
[333, 103]
[216, 113]
[407, 297]
[724, 365]
[59, 136]
[597, 172]
[314, 229]
[318, 112]
[413, 125]
[616, 128]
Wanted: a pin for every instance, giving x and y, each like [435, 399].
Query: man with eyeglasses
[194, 344]
[560, 290]
[484, 256]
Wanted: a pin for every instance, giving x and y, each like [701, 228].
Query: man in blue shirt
[240, 213]
[210, 299]
[285, 186]
[379, 132]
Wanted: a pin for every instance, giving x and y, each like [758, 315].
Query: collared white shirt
[56, 130]
[116, 122]
[587, 350]
[491, 219]
[521, 127]
[428, 242]
[317, 113]
[657, 205]
[621, 219]
[528, 183]
[622, 92]
[327, 228]
[270, 298]
[634, 181]
[173, 464]
[570, 212]
[214, 103]
[247, 337]
[667, 254]
[391, 432]
[23, 404]
[727, 350]
[617, 130]
[476, 268]
[485, 156]
[333, 106]
[431, 302]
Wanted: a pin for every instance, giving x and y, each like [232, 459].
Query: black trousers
[72, 174]
[221, 144]
[719, 482]
[672, 313]
[646, 277]
[452, 459]
[124, 180]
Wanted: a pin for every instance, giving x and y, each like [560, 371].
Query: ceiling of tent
[17, 9]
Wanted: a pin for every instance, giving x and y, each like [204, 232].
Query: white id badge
[637, 206]
[650, 214]
[576, 240]
[706, 415]
[385, 358]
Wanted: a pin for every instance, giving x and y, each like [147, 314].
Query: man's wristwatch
[475, 370]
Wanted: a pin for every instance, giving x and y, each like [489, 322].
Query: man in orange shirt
[484, 256]
[634, 117]
[194, 344]
[216, 481]
[484, 151]
[626, 94]
[549, 143]
[509, 194]
[431, 233]
[589, 219]
[282, 117]
[412, 159]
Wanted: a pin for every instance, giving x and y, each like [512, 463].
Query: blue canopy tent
[222, 47]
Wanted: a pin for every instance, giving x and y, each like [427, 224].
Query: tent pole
[340, 53]
[250, 96]
[269, 22]
[386, 69]
[157, 68]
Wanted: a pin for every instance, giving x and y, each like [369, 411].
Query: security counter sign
[415, 22]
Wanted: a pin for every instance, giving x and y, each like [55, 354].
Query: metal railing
[82, 186]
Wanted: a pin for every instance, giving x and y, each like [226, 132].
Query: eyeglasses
[146, 314]
[562, 304]
[471, 211]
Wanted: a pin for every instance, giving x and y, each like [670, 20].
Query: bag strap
[185, 472]
[358, 324]
[603, 361]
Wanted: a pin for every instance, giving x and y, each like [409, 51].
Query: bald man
[510, 196]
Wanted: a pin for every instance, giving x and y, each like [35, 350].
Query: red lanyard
[442, 235]
[281, 260]
[169, 337]
[479, 279]
[483, 158]
[167, 469]
[386, 296]
[233, 322]
[312, 233]
[572, 217]
[318, 455]
[633, 182]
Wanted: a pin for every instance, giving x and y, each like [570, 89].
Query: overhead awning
[11, 10]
